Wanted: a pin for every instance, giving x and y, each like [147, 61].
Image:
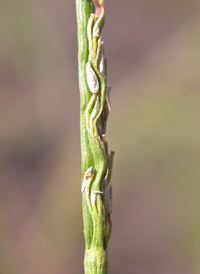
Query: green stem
[94, 110]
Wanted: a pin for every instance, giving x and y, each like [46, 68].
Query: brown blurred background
[153, 52]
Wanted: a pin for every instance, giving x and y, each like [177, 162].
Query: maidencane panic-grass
[96, 161]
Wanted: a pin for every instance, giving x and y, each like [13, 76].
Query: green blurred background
[153, 51]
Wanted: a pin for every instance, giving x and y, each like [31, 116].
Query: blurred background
[153, 56]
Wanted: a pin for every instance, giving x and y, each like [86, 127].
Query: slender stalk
[96, 161]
